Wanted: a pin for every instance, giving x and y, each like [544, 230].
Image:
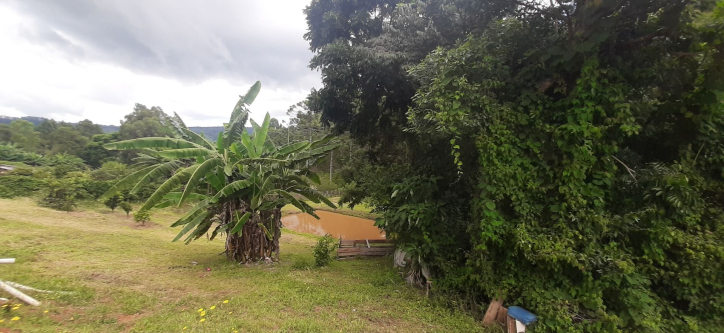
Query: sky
[83, 59]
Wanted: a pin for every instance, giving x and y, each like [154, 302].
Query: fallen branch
[19, 295]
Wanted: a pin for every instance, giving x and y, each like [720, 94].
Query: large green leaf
[195, 222]
[250, 95]
[198, 139]
[231, 188]
[200, 231]
[311, 175]
[160, 170]
[292, 148]
[321, 142]
[191, 213]
[141, 143]
[291, 199]
[169, 185]
[127, 182]
[240, 223]
[201, 171]
[216, 179]
[260, 137]
[185, 153]
[236, 128]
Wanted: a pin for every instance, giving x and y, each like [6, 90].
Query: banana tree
[238, 184]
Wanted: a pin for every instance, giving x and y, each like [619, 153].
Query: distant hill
[209, 132]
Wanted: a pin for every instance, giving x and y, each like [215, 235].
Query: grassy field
[127, 278]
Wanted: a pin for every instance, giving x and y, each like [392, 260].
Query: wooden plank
[492, 311]
[502, 315]
[346, 243]
[510, 325]
[348, 252]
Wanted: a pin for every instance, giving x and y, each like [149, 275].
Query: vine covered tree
[565, 155]
[239, 183]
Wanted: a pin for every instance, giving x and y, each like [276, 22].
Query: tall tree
[142, 122]
[24, 135]
[88, 129]
[240, 183]
[67, 140]
[566, 155]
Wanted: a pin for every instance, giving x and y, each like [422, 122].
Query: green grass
[127, 278]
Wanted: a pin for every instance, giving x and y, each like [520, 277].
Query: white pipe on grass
[7, 260]
[20, 286]
[18, 294]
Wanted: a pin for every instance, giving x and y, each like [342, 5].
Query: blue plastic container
[522, 315]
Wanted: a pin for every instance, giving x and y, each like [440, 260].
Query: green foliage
[63, 194]
[240, 183]
[19, 186]
[63, 164]
[94, 154]
[109, 171]
[10, 152]
[324, 250]
[141, 216]
[567, 155]
[126, 206]
[114, 201]
[24, 135]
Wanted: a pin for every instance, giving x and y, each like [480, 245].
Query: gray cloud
[190, 41]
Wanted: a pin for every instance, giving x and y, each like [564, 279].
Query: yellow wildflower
[46, 311]
[202, 309]
[203, 314]
[212, 307]
[185, 327]
[15, 318]
[202, 320]
[15, 308]
[226, 301]
[229, 312]
[2, 321]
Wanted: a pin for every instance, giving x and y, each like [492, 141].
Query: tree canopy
[566, 156]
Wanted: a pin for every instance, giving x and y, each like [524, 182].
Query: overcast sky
[84, 59]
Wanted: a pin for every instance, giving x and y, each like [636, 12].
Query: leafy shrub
[113, 201]
[109, 171]
[95, 189]
[126, 206]
[9, 152]
[63, 194]
[142, 216]
[323, 250]
[18, 186]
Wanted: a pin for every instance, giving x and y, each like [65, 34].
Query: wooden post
[492, 313]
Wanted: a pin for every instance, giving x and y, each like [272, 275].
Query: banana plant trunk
[259, 238]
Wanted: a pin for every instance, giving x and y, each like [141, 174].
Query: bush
[323, 251]
[17, 186]
[142, 216]
[126, 206]
[113, 201]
